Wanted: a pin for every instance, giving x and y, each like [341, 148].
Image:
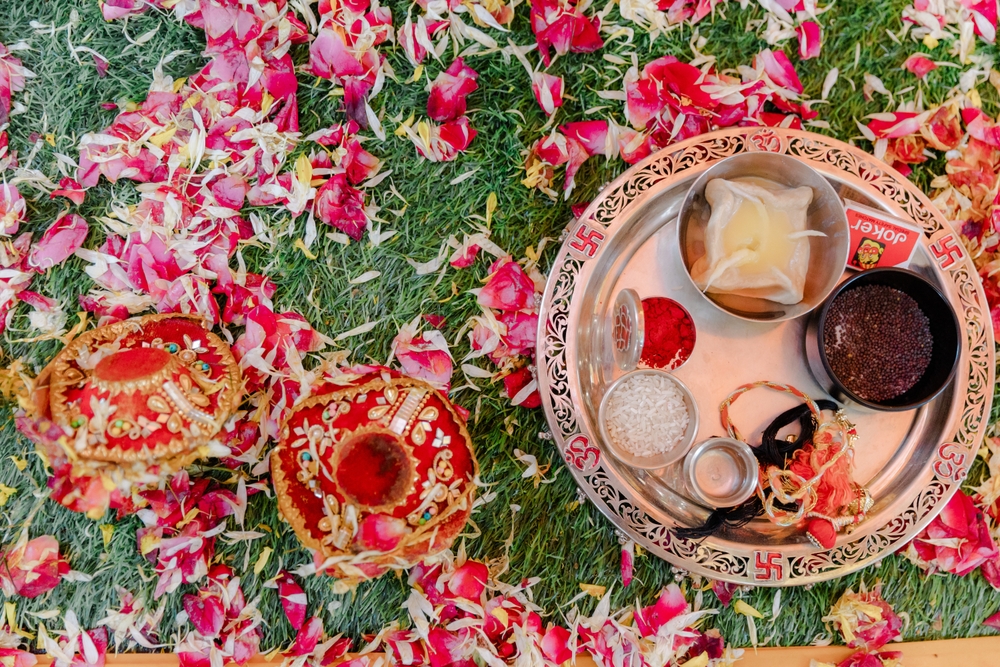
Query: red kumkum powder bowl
[669, 334]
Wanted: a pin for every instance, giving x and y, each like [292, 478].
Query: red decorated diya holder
[130, 403]
[374, 476]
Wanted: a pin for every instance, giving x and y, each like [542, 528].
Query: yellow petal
[107, 530]
[189, 517]
[5, 493]
[501, 615]
[179, 83]
[20, 463]
[161, 138]
[930, 42]
[698, 661]
[491, 206]
[131, 106]
[50, 139]
[401, 130]
[10, 611]
[417, 73]
[593, 589]
[266, 101]
[742, 607]
[148, 543]
[108, 483]
[300, 244]
[261, 563]
[303, 169]
[974, 99]
[424, 132]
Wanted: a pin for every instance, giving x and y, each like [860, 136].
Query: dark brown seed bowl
[945, 334]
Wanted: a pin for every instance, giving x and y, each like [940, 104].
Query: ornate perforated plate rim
[560, 389]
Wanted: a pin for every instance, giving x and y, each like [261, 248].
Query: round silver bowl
[827, 254]
[657, 460]
[738, 488]
[945, 332]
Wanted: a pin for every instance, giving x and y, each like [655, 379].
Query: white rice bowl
[646, 415]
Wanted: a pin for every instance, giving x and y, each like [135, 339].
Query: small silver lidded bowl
[826, 213]
[628, 327]
[721, 472]
[655, 461]
[626, 331]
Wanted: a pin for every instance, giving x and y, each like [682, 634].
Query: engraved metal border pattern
[557, 384]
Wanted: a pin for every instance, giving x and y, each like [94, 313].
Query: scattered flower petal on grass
[562, 26]
[423, 354]
[810, 39]
[59, 241]
[956, 541]
[920, 65]
[448, 91]
[31, 567]
[865, 620]
[441, 143]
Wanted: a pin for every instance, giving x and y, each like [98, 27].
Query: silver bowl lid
[627, 329]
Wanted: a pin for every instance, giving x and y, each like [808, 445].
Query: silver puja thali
[912, 462]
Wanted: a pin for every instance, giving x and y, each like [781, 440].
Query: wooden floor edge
[974, 652]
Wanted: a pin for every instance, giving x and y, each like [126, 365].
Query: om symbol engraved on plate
[950, 461]
[764, 140]
[580, 454]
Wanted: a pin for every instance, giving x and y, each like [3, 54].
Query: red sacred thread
[669, 333]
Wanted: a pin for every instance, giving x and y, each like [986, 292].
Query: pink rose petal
[469, 580]
[670, 604]
[59, 241]
[810, 39]
[293, 600]
[449, 90]
[920, 65]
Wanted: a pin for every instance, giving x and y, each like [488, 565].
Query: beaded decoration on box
[128, 404]
[374, 476]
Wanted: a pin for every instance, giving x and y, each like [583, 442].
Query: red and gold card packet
[879, 239]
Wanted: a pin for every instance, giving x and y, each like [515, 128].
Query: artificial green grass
[553, 538]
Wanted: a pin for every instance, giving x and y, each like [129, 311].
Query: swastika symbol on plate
[946, 251]
[768, 566]
[586, 240]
